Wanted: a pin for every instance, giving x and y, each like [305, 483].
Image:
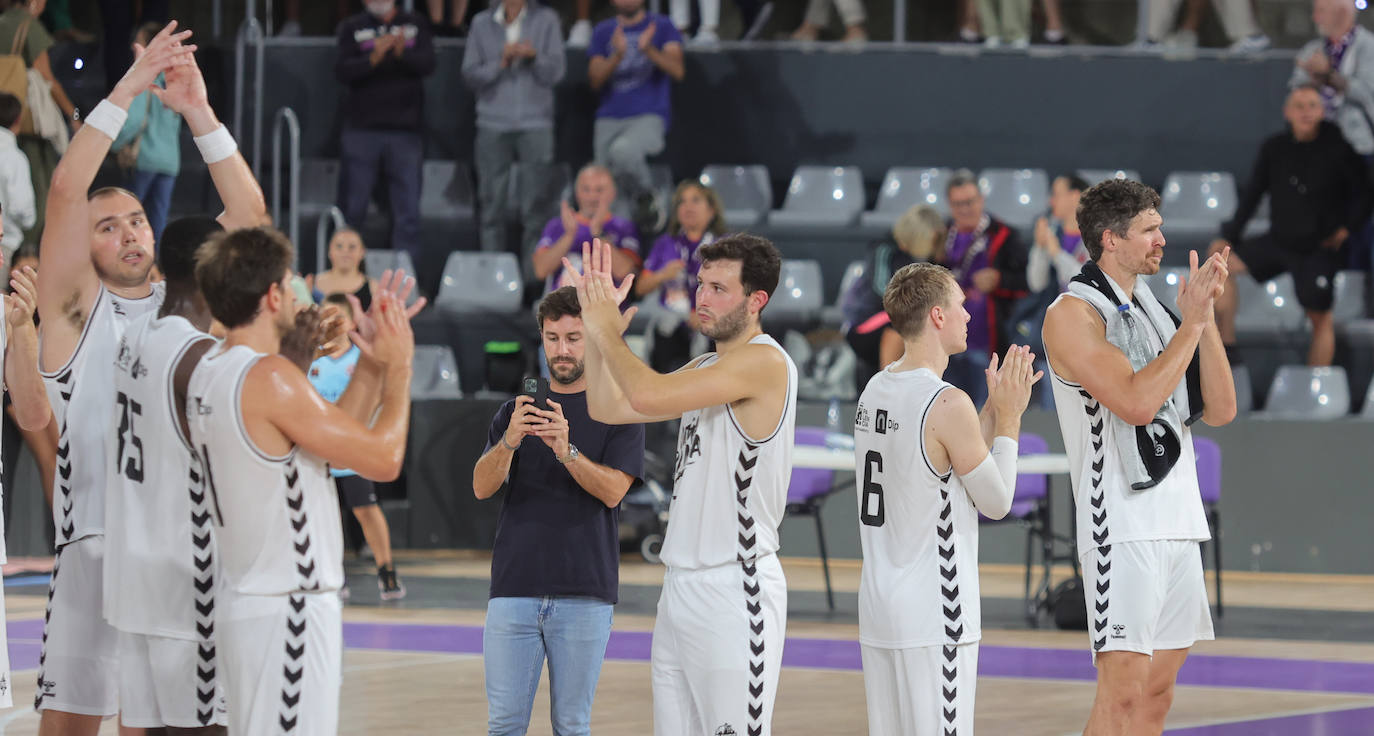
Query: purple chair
[1209, 483]
[808, 490]
[1030, 505]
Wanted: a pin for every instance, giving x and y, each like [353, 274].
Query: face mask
[380, 7]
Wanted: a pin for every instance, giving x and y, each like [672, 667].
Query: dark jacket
[1315, 188]
[389, 96]
[1008, 255]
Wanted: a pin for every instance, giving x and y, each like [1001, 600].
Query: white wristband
[216, 145]
[107, 118]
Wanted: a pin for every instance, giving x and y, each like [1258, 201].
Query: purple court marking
[1335, 723]
[993, 661]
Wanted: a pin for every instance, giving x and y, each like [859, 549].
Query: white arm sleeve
[993, 482]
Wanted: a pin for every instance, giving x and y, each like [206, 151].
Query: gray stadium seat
[435, 373]
[799, 296]
[480, 283]
[1349, 302]
[1245, 392]
[378, 260]
[832, 315]
[1368, 412]
[1300, 392]
[446, 191]
[745, 192]
[904, 187]
[1096, 176]
[822, 196]
[1199, 196]
[1269, 308]
[1015, 196]
[319, 187]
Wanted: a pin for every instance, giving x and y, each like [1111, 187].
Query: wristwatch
[573, 454]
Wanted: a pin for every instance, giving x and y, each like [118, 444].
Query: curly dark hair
[556, 305]
[1111, 205]
[236, 269]
[760, 261]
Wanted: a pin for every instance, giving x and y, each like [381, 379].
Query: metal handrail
[287, 121]
[322, 234]
[246, 30]
[259, 88]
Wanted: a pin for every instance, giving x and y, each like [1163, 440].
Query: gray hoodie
[520, 96]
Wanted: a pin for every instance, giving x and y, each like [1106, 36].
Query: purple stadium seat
[1030, 505]
[808, 490]
[1209, 483]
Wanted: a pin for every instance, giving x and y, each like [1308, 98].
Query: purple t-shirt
[976, 302]
[678, 294]
[553, 537]
[636, 87]
[617, 231]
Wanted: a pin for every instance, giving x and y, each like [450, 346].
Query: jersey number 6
[871, 510]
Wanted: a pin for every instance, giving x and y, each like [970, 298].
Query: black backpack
[1067, 605]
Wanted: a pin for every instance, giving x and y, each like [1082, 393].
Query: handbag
[14, 74]
[127, 157]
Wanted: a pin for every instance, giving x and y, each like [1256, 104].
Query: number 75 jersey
[918, 526]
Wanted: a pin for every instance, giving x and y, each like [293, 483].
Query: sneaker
[1020, 44]
[580, 35]
[289, 29]
[705, 38]
[992, 42]
[1251, 44]
[806, 32]
[969, 35]
[756, 27]
[1182, 39]
[1054, 38]
[389, 584]
[855, 36]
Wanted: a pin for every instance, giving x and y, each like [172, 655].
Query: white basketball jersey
[278, 528]
[159, 544]
[730, 490]
[1109, 511]
[918, 526]
[82, 397]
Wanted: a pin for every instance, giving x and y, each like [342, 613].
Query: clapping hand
[646, 37]
[163, 52]
[23, 298]
[1009, 386]
[597, 293]
[393, 283]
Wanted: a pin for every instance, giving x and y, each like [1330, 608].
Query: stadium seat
[1300, 392]
[809, 487]
[378, 260]
[1368, 412]
[902, 189]
[1208, 455]
[832, 315]
[745, 192]
[1096, 176]
[319, 187]
[446, 191]
[822, 196]
[480, 283]
[1269, 308]
[799, 297]
[1245, 391]
[1349, 302]
[1205, 196]
[1030, 506]
[435, 373]
[1015, 196]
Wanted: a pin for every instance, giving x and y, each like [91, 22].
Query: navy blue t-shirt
[553, 537]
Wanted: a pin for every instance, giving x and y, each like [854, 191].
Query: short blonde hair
[920, 231]
[911, 294]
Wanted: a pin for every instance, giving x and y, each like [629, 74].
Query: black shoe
[389, 584]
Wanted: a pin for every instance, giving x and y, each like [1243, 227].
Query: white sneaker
[992, 42]
[706, 37]
[1183, 39]
[1020, 44]
[580, 35]
[1251, 44]
[289, 29]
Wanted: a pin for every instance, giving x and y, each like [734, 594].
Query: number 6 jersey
[918, 527]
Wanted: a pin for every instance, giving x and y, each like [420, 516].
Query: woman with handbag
[148, 148]
[43, 133]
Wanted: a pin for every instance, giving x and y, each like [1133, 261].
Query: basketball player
[264, 436]
[723, 612]
[1126, 395]
[93, 279]
[926, 464]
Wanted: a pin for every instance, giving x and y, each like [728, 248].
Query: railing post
[286, 119]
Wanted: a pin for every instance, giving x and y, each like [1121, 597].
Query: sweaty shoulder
[764, 361]
[273, 376]
[1070, 323]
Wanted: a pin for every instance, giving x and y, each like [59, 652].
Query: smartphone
[536, 388]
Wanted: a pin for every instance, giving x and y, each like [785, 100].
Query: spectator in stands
[555, 565]
[1006, 21]
[513, 58]
[1319, 193]
[384, 55]
[17, 208]
[1058, 253]
[988, 260]
[754, 14]
[918, 235]
[346, 274]
[634, 59]
[1237, 19]
[593, 193]
[672, 267]
[852, 14]
[151, 138]
[42, 153]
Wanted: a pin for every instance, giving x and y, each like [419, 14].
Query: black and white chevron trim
[65, 527]
[949, 691]
[949, 570]
[747, 555]
[308, 575]
[41, 692]
[203, 559]
[293, 667]
[1098, 510]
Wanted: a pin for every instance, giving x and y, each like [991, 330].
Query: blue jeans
[154, 190]
[397, 155]
[519, 633]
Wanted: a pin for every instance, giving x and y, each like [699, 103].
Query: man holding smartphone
[555, 565]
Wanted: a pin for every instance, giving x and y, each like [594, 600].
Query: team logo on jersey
[861, 418]
[882, 422]
[118, 308]
[4, 684]
[125, 355]
[202, 408]
[688, 447]
[726, 730]
[1118, 631]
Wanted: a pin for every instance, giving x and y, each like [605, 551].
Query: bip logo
[882, 423]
